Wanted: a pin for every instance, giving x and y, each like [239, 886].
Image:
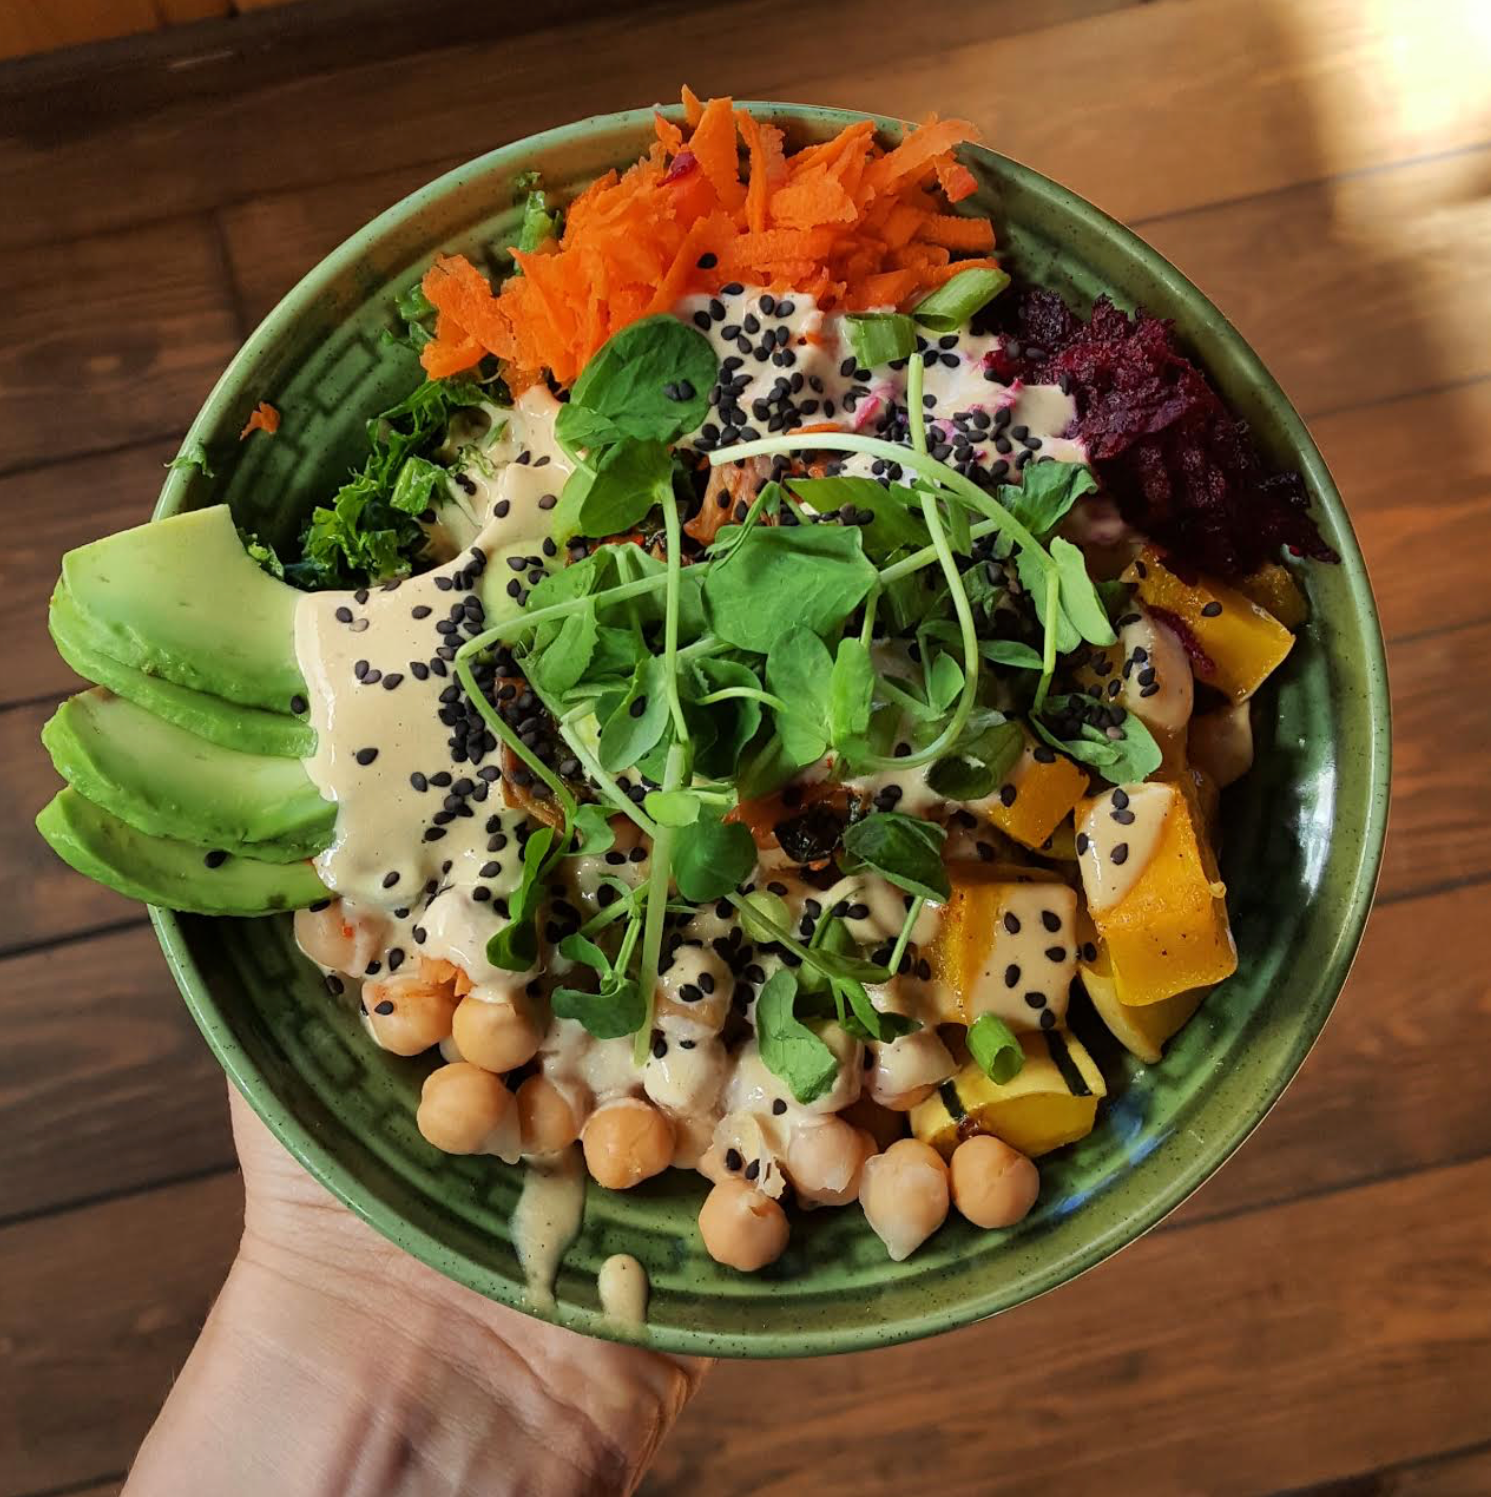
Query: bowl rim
[1127, 1227]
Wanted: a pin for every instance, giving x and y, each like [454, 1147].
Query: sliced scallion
[951, 305]
[995, 1050]
[880, 337]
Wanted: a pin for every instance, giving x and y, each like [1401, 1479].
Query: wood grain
[110, 340]
[48, 511]
[1464, 1473]
[98, 1311]
[1308, 1316]
[1356, 289]
[1232, 1357]
[43, 898]
[1416, 478]
[105, 1082]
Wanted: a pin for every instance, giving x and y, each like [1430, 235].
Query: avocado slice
[249, 729]
[173, 874]
[167, 782]
[180, 598]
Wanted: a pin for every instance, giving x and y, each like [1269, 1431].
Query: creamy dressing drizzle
[828, 386]
[622, 1283]
[1116, 852]
[547, 1219]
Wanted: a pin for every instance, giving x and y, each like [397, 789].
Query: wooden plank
[43, 898]
[1359, 289]
[1463, 1473]
[175, 12]
[1232, 1357]
[1139, 139]
[105, 1082]
[1441, 793]
[1416, 477]
[28, 26]
[99, 1310]
[274, 240]
[110, 340]
[1236, 1357]
[499, 84]
[48, 511]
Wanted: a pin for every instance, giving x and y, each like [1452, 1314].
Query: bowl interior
[1303, 840]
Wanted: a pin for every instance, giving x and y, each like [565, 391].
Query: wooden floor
[1319, 1317]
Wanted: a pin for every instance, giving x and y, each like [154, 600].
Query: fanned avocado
[180, 598]
[177, 875]
[167, 782]
[253, 730]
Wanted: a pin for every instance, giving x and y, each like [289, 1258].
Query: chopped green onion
[880, 337]
[951, 305]
[995, 1050]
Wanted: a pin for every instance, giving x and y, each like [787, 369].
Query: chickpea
[498, 1034]
[406, 1014]
[333, 938]
[904, 1193]
[908, 1070]
[993, 1184]
[463, 1109]
[547, 1119]
[742, 1227]
[626, 1142]
[824, 1161]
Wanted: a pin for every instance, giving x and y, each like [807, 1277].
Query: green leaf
[880, 337]
[192, 456]
[904, 849]
[617, 1009]
[764, 769]
[639, 719]
[538, 223]
[594, 830]
[415, 485]
[814, 575]
[566, 658]
[1045, 493]
[629, 379]
[789, 1049]
[1033, 573]
[851, 693]
[866, 1022]
[1011, 652]
[262, 553]
[515, 946]
[582, 949]
[798, 670]
[673, 808]
[954, 302]
[979, 765]
[723, 729]
[995, 1050]
[896, 526]
[580, 430]
[1121, 761]
[1079, 598]
[713, 860]
[630, 479]
[944, 682]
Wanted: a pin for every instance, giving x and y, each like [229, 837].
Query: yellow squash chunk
[1234, 644]
[1006, 945]
[1053, 1101]
[1037, 796]
[1153, 892]
[1142, 1029]
[1273, 587]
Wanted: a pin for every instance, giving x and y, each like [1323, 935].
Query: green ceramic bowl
[1302, 848]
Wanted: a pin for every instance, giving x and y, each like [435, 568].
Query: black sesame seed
[365, 756]
[216, 858]
[1120, 854]
[298, 703]
[1051, 920]
[386, 1007]
[390, 878]
[1211, 610]
[1012, 923]
[753, 1169]
[1012, 975]
[334, 985]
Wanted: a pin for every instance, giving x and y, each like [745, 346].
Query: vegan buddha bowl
[744, 702]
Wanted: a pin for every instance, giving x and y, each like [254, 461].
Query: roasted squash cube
[1007, 946]
[1142, 1029]
[1273, 587]
[1037, 795]
[1233, 644]
[1053, 1101]
[1153, 892]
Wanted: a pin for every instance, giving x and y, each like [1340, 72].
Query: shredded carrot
[843, 221]
[265, 418]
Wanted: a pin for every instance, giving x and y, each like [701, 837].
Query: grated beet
[1182, 469]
